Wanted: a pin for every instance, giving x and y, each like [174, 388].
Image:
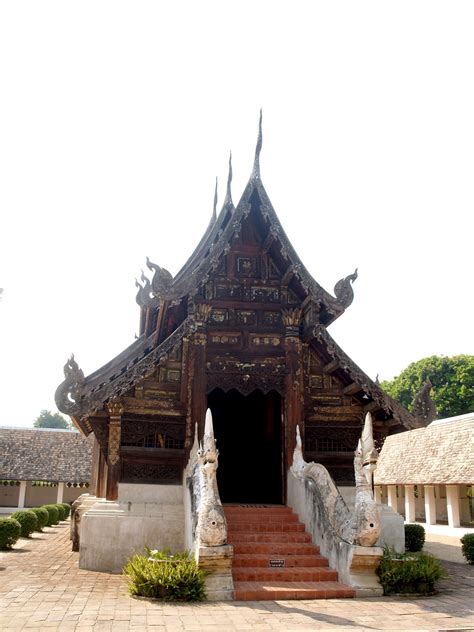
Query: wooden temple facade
[242, 329]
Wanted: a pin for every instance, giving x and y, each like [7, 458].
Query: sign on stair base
[276, 563]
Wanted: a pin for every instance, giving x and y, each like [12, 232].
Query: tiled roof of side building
[440, 454]
[44, 454]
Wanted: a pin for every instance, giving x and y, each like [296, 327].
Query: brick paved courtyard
[41, 588]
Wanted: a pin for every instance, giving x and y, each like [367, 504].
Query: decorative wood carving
[136, 472]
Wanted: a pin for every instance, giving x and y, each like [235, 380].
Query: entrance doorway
[248, 435]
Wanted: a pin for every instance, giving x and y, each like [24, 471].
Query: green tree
[452, 379]
[47, 419]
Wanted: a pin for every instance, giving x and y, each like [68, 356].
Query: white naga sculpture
[362, 526]
[211, 528]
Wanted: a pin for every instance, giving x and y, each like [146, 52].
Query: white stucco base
[143, 515]
[356, 565]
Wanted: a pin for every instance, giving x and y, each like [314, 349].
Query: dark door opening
[248, 436]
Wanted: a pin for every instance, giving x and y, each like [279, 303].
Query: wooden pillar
[115, 409]
[409, 503]
[294, 393]
[101, 488]
[95, 466]
[430, 504]
[197, 369]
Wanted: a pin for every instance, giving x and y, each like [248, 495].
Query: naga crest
[161, 281]
[143, 297]
[343, 289]
[423, 407]
[69, 392]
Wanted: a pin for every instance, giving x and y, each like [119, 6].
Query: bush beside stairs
[274, 557]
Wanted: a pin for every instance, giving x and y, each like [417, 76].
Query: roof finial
[258, 148]
[228, 195]
[214, 209]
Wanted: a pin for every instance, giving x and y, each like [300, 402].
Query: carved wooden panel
[271, 319]
[219, 316]
[245, 317]
[135, 430]
[136, 472]
[228, 291]
[264, 341]
[262, 294]
[246, 267]
[225, 338]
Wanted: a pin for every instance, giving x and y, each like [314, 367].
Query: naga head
[208, 453]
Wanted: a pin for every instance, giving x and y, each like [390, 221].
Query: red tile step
[270, 591]
[289, 561]
[274, 557]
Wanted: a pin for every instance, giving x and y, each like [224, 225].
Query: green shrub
[67, 509]
[409, 572]
[53, 514]
[28, 521]
[61, 511]
[467, 542]
[42, 516]
[10, 530]
[414, 537]
[160, 575]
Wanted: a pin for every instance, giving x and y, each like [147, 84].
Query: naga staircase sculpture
[206, 521]
[347, 537]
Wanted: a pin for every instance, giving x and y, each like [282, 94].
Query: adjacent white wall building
[427, 474]
[42, 465]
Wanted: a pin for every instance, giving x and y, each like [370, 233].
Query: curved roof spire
[214, 208]
[228, 195]
[258, 149]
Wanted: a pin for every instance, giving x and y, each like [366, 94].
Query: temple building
[242, 329]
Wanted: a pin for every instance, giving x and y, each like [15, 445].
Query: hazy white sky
[116, 117]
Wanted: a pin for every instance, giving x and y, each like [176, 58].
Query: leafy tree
[452, 380]
[47, 419]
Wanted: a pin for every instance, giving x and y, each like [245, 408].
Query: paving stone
[42, 589]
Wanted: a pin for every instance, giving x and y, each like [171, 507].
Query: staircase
[275, 559]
